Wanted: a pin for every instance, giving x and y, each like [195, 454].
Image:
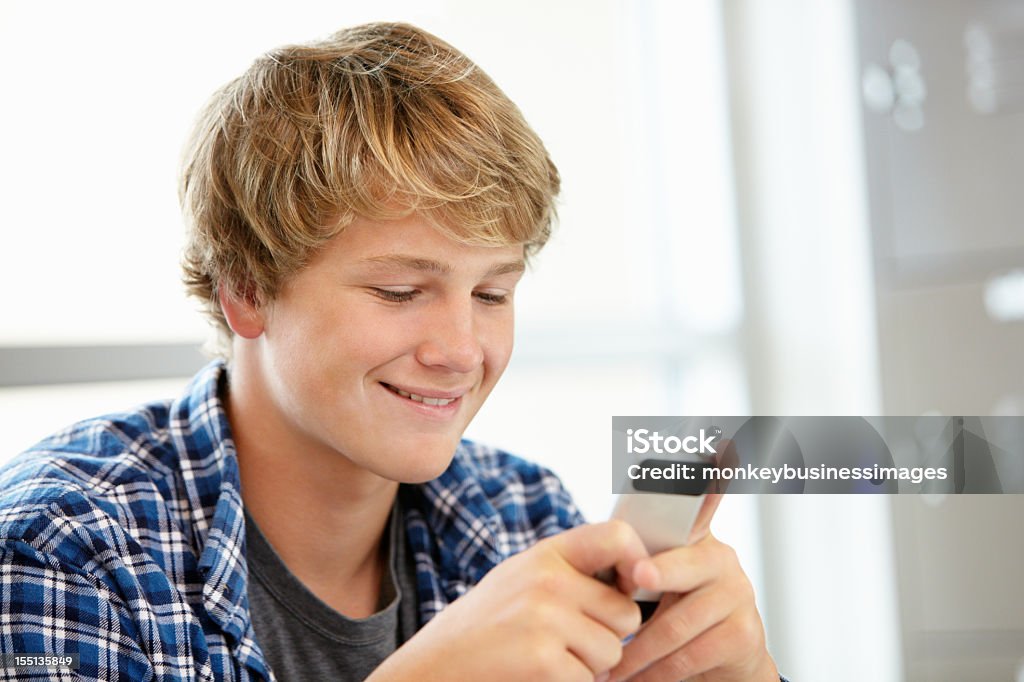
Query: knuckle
[538, 605]
[620, 533]
[613, 654]
[607, 652]
[544, 659]
[548, 578]
[678, 630]
[679, 664]
[746, 589]
[631, 619]
[748, 631]
[723, 558]
[579, 674]
[725, 554]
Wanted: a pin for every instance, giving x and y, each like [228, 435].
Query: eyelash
[395, 296]
[406, 296]
[492, 299]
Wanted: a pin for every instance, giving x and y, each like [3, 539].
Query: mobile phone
[662, 520]
[661, 498]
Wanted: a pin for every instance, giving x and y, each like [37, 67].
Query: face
[384, 347]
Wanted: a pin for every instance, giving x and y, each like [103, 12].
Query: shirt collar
[460, 509]
[209, 469]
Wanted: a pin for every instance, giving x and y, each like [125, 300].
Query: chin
[422, 464]
[419, 474]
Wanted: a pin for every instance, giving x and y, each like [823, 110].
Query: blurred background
[786, 207]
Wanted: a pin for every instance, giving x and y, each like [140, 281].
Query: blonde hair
[378, 121]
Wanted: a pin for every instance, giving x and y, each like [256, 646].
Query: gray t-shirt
[305, 639]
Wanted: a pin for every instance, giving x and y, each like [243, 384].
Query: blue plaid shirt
[122, 540]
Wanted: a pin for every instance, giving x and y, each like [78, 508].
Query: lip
[441, 414]
[427, 392]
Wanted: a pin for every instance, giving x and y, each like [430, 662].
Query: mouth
[432, 398]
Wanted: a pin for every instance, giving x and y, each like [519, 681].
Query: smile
[426, 400]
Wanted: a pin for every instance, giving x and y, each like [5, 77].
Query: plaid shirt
[122, 540]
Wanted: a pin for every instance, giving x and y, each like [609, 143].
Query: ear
[242, 312]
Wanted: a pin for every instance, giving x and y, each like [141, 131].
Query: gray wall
[944, 160]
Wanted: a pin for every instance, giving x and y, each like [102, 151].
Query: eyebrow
[437, 267]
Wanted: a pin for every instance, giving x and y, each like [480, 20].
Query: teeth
[421, 399]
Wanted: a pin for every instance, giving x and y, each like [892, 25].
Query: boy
[360, 211]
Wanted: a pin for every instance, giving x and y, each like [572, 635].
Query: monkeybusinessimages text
[644, 441]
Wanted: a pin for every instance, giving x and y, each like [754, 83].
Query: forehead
[412, 243]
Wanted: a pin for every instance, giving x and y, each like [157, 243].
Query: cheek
[498, 348]
[308, 352]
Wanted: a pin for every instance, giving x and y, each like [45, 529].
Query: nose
[451, 338]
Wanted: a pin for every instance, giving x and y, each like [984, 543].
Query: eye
[394, 295]
[492, 297]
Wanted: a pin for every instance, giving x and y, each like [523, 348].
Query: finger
[673, 627]
[685, 568]
[568, 665]
[666, 601]
[599, 648]
[702, 524]
[733, 643]
[601, 601]
[596, 546]
[610, 607]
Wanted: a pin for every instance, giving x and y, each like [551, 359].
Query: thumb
[702, 524]
[727, 457]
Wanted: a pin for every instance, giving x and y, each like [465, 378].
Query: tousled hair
[378, 121]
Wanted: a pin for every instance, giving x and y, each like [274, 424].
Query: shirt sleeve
[47, 608]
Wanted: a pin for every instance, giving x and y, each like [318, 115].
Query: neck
[324, 516]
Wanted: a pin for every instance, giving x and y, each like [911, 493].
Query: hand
[707, 627]
[540, 615]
